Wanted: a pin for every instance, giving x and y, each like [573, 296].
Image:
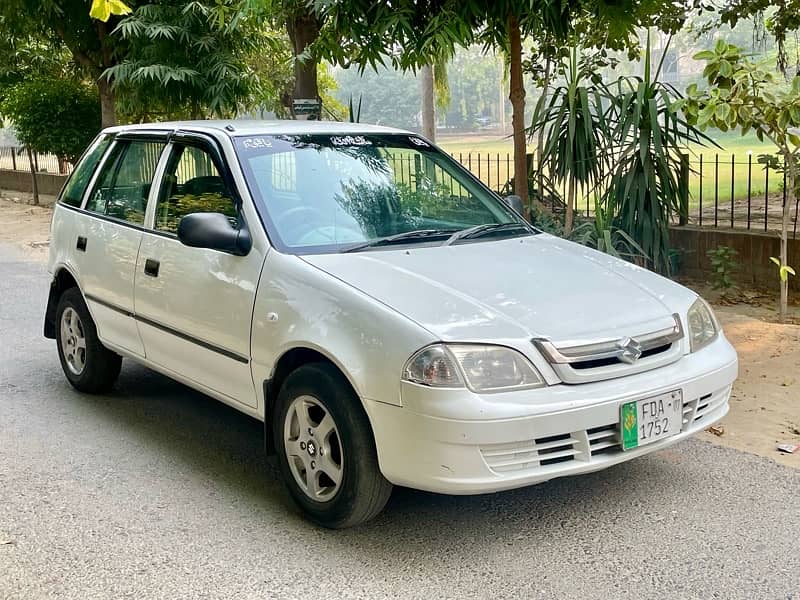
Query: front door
[194, 306]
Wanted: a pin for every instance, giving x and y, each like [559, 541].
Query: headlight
[483, 368]
[702, 325]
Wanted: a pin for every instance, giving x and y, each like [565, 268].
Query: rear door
[194, 306]
[109, 235]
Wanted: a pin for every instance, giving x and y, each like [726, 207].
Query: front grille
[607, 362]
[520, 456]
[604, 440]
[552, 450]
[585, 445]
[699, 408]
[655, 344]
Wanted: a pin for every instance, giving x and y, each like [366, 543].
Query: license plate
[646, 421]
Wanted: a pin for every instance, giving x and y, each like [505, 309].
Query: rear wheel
[326, 450]
[88, 365]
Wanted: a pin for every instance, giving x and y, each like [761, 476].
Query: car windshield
[335, 193]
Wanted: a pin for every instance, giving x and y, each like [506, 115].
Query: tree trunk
[517, 97]
[540, 140]
[501, 106]
[572, 193]
[428, 107]
[34, 181]
[791, 177]
[108, 103]
[303, 29]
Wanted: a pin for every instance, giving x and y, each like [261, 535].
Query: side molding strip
[171, 331]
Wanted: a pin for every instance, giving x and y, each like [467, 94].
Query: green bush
[723, 264]
[52, 115]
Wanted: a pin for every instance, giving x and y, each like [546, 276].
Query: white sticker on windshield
[350, 140]
[418, 142]
[255, 143]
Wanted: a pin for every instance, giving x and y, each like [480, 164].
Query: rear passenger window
[192, 184]
[124, 183]
[76, 185]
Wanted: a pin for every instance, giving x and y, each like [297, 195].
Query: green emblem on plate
[630, 437]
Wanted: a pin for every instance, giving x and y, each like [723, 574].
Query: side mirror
[515, 203]
[215, 232]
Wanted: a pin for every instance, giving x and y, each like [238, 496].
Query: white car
[389, 318]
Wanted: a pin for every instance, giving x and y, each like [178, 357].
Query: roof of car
[247, 127]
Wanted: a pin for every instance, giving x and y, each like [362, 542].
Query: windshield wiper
[418, 234]
[481, 230]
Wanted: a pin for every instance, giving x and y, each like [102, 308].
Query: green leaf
[704, 55]
[775, 260]
[722, 111]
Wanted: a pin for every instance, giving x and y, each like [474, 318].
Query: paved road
[156, 491]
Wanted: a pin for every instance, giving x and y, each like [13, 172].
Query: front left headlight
[703, 328]
[483, 368]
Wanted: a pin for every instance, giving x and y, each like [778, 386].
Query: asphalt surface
[156, 491]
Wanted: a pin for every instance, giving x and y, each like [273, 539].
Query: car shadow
[220, 444]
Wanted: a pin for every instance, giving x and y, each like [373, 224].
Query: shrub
[53, 115]
[723, 264]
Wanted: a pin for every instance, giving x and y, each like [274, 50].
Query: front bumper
[565, 430]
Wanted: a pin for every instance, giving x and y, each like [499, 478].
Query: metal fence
[16, 159]
[724, 190]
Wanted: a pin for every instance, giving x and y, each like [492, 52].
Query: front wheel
[326, 450]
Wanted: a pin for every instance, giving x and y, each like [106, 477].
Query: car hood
[534, 286]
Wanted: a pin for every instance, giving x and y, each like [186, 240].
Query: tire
[320, 391]
[88, 365]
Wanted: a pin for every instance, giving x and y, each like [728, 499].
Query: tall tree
[428, 108]
[407, 32]
[88, 40]
[189, 59]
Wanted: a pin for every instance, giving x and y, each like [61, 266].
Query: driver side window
[192, 183]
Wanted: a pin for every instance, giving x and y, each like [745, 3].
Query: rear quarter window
[75, 188]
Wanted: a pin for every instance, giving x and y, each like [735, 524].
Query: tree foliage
[189, 58]
[57, 116]
[743, 94]
[781, 19]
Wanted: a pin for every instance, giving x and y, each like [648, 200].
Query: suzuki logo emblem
[630, 350]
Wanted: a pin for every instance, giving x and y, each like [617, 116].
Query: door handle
[81, 245]
[151, 267]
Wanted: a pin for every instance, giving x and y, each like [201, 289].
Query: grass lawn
[490, 158]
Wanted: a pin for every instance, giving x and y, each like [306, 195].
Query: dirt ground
[765, 406]
[25, 225]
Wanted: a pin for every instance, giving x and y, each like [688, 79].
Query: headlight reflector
[702, 325]
[483, 368]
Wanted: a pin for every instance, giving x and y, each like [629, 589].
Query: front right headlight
[703, 328]
[482, 368]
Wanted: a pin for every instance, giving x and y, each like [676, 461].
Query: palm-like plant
[575, 129]
[602, 233]
[649, 134]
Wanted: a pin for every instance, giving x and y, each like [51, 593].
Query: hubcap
[313, 448]
[73, 341]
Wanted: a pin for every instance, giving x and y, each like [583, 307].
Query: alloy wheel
[313, 448]
[73, 341]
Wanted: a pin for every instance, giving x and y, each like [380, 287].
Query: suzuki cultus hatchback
[390, 319]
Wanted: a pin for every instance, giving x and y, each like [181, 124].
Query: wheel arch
[289, 361]
[63, 279]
